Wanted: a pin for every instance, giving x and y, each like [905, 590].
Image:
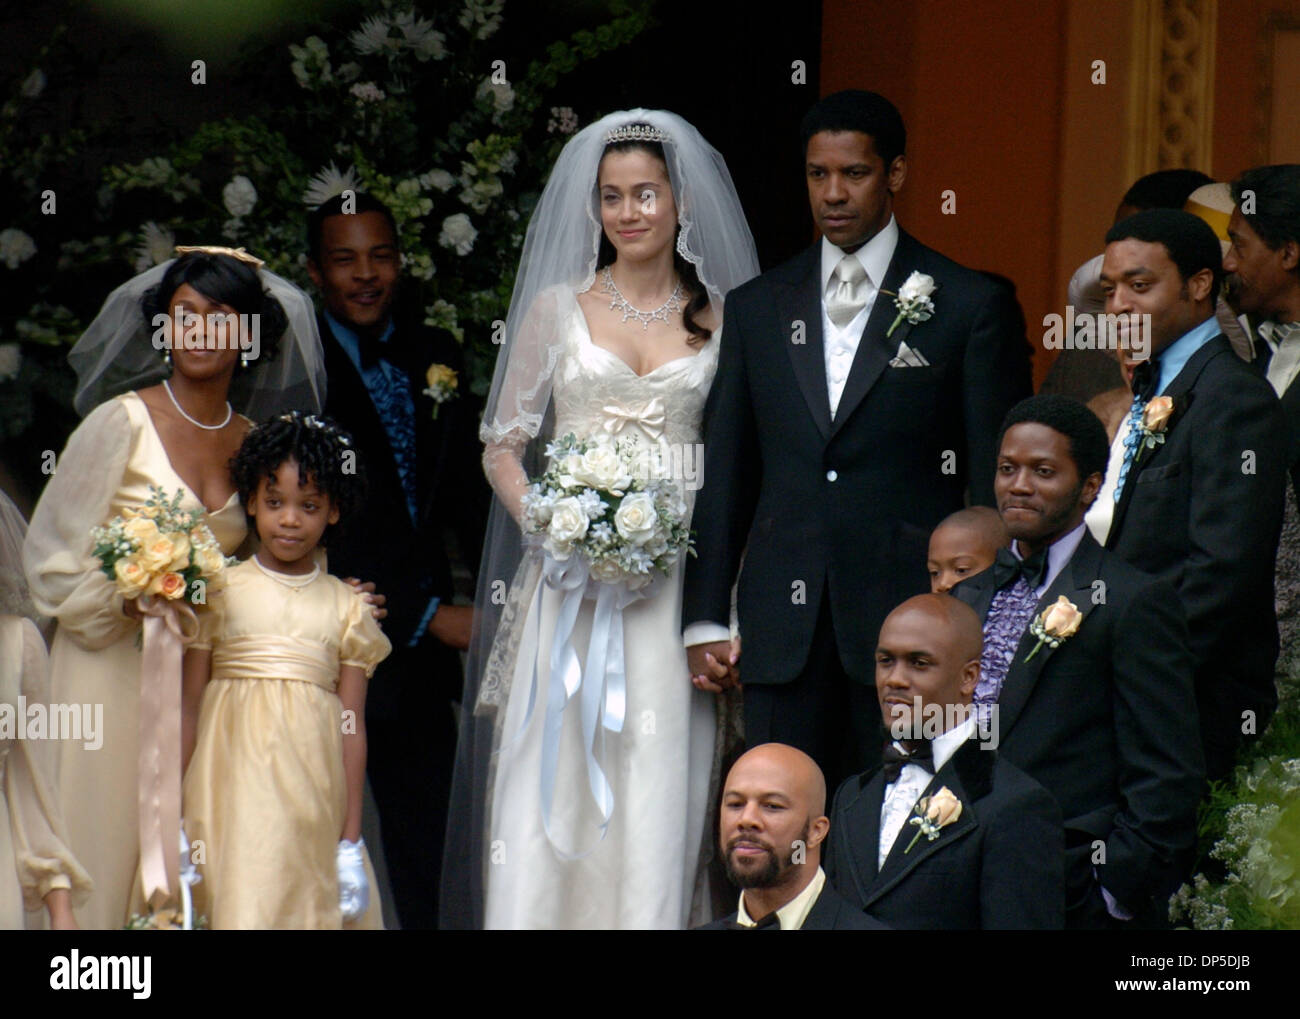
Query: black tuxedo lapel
[1075, 582]
[864, 830]
[1180, 392]
[875, 351]
[801, 301]
[967, 776]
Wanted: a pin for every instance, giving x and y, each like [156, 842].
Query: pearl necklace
[619, 303]
[288, 579]
[197, 424]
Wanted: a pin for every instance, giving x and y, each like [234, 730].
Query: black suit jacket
[843, 508]
[1189, 513]
[408, 561]
[1106, 722]
[997, 867]
[831, 912]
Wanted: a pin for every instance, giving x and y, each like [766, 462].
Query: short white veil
[561, 249]
[116, 353]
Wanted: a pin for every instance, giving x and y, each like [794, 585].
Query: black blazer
[1291, 408]
[831, 912]
[997, 867]
[408, 561]
[1106, 722]
[843, 507]
[1190, 514]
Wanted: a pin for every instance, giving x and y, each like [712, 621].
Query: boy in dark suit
[944, 834]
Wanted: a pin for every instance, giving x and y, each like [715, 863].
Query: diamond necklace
[197, 424]
[619, 303]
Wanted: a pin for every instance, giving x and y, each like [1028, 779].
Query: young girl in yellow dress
[274, 701]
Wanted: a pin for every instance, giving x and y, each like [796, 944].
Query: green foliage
[405, 100]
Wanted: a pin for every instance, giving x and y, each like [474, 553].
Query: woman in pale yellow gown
[36, 869]
[107, 466]
[265, 792]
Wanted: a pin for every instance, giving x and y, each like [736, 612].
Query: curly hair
[321, 450]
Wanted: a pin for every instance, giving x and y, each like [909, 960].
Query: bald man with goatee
[773, 823]
[941, 833]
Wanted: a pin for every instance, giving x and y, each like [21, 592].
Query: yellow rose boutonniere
[442, 384]
[933, 813]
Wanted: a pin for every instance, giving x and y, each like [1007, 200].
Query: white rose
[15, 247]
[11, 361]
[917, 285]
[568, 522]
[458, 233]
[602, 467]
[34, 84]
[239, 196]
[440, 179]
[636, 518]
[607, 571]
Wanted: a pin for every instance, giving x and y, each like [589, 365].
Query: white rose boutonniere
[913, 300]
[932, 813]
[1054, 624]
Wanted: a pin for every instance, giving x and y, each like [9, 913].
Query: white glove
[354, 889]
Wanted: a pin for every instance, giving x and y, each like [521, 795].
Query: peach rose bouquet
[159, 549]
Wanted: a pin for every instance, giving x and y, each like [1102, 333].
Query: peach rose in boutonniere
[1155, 421]
[1054, 624]
[442, 384]
[933, 813]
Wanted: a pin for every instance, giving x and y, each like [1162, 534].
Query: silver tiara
[636, 133]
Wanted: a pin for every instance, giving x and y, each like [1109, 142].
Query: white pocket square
[908, 357]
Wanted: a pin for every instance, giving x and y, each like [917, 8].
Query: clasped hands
[715, 666]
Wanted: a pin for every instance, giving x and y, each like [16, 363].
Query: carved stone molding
[1171, 98]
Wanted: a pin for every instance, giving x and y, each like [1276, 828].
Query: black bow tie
[1146, 377]
[1007, 567]
[372, 351]
[914, 751]
[771, 922]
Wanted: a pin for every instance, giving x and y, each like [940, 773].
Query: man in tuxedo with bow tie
[989, 856]
[376, 368]
[1200, 490]
[840, 429]
[1105, 719]
[772, 826]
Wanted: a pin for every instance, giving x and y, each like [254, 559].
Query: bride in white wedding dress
[576, 805]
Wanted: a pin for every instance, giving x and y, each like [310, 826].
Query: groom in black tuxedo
[837, 434]
[1202, 507]
[1106, 721]
[992, 859]
[424, 477]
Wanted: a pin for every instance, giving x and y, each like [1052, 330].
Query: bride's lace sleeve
[520, 395]
[65, 578]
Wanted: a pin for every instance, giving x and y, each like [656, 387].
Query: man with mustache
[376, 363]
[989, 856]
[852, 410]
[772, 827]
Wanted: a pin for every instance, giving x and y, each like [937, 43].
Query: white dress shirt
[901, 794]
[1284, 341]
[839, 348]
[840, 343]
[1101, 514]
[793, 913]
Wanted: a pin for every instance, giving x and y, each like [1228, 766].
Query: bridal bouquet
[594, 502]
[160, 549]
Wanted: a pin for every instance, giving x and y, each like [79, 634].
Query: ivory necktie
[846, 291]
